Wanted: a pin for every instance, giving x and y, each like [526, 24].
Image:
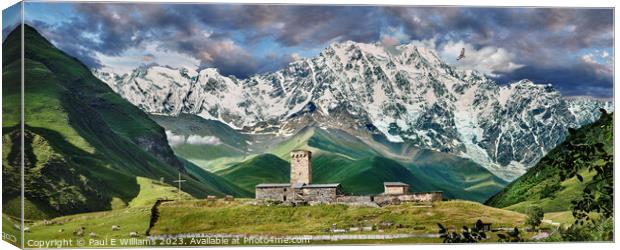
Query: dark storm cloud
[292, 25]
[229, 36]
[527, 29]
[205, 31]
[111, 29]
[548, 41]
[570, 81]
[67, 41]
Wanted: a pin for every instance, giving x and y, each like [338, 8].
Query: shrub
[512, 236]
[535, 215]
[467, 235]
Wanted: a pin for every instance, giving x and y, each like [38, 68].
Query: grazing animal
[116, 227]
[27, 229]
[133, 234]
[92, 234]
[79, 231]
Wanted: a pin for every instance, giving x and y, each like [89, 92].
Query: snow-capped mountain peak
[405, 93]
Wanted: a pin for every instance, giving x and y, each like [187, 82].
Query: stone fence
[354, 199]
[422, 197]
[392, 199]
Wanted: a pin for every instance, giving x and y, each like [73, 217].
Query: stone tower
[301, 167]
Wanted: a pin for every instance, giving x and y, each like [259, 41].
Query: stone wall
[331, 195]
[396, 190]
[414, 197]
[275, 194]
[321, 194]
[383, 200]
[334, 195]
[422, 197]
[354, 199]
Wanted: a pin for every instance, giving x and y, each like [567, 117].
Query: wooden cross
[179, 181]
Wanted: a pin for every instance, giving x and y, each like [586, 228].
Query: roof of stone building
[301, 150]
[304, 185]
[272, 185]
[396, 184]
[329, 185]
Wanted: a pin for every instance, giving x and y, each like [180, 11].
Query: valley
[360, 164]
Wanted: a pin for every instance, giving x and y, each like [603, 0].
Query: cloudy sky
[569, 48]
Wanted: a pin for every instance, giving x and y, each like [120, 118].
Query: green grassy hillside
[541, 185]
[216, 182]
[339, 142]
[84, 144]
[364, 176]
[457, 177]
[152, 190]
[339, 157]
[133, 217]
[265, 168]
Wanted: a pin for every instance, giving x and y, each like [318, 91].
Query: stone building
[395, 188]
[273, 191]
[302, 190]
[320, 192]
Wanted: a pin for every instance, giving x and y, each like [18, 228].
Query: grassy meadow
[242, 216]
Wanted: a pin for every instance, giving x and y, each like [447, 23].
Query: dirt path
[154, 215]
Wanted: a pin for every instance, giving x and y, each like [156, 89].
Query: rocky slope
[541, 185]
[404, 93]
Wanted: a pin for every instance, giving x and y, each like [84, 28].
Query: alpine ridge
[406, 94]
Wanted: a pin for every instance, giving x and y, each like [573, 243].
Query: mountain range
[361, 165]
[402, 95]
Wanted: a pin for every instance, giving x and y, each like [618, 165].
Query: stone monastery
[302, 190]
